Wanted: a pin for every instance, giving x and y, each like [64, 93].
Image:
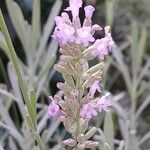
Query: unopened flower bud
[96, 68]
[90, 144]
[87, 53]
[69, 142]
[83, 125]
[81, 146]
[64, 87]
[90, 133]
[67, 59]
[81, 138]
[63, 104]
[69, 80]
[59, 68]
[70, 125]
[90, 81]
[79, 68]
[62, 118]
[65, 68]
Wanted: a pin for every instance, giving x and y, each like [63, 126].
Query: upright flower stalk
[78, 46]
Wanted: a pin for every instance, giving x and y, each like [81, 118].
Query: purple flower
[84, 36]
[70, 31]
[103, 103]
[88, 110]
[94, 87]
[54, 110]
[103, 46]
[63, 32]
[89, 11]
[74, 6]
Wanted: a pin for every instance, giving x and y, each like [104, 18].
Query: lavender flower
[94, 87]
[89, 11]
[103, 46]
[74, 7]
[84, 36]
[77, 47]
[103, 103]
[54, 110]
[88, 111]
[70, 32]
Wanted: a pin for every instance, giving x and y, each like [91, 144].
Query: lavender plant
[77, 47]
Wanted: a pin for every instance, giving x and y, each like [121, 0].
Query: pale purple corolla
[54, 110]
[89, 11]
[74, 6]
[84, 36]
[70, 31]
[103, 103]
[88, 111]
[103, 46]
[95, 87]
[63, 32]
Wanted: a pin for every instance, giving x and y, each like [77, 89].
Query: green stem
[132, 130]
[14, 59]
[79, 86]
[17, 68]
[39, 141]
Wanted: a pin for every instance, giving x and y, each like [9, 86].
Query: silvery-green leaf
[145, 138]
[20, 25]
[33, 107]
[141, 46]
[109, 130]
[14, 133]
[122, 67]
[1, 148]
[107, 146]
[36, 24]
[29, 122]
[111, 6]
[145, 103]
[12, 144]
[3, 44]
[48, 28]
[13, 80]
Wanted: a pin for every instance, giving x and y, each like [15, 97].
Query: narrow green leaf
[109, 130]
[36, 27]
[20, 76]
[107, 146]
[21, 26]
[47, 30]
[29, 122]
[33, 107]
[111, 6]
[12, 144]
[14, 60]
[117, 54]
[141, 46]
[134, 47]
[3, 44]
